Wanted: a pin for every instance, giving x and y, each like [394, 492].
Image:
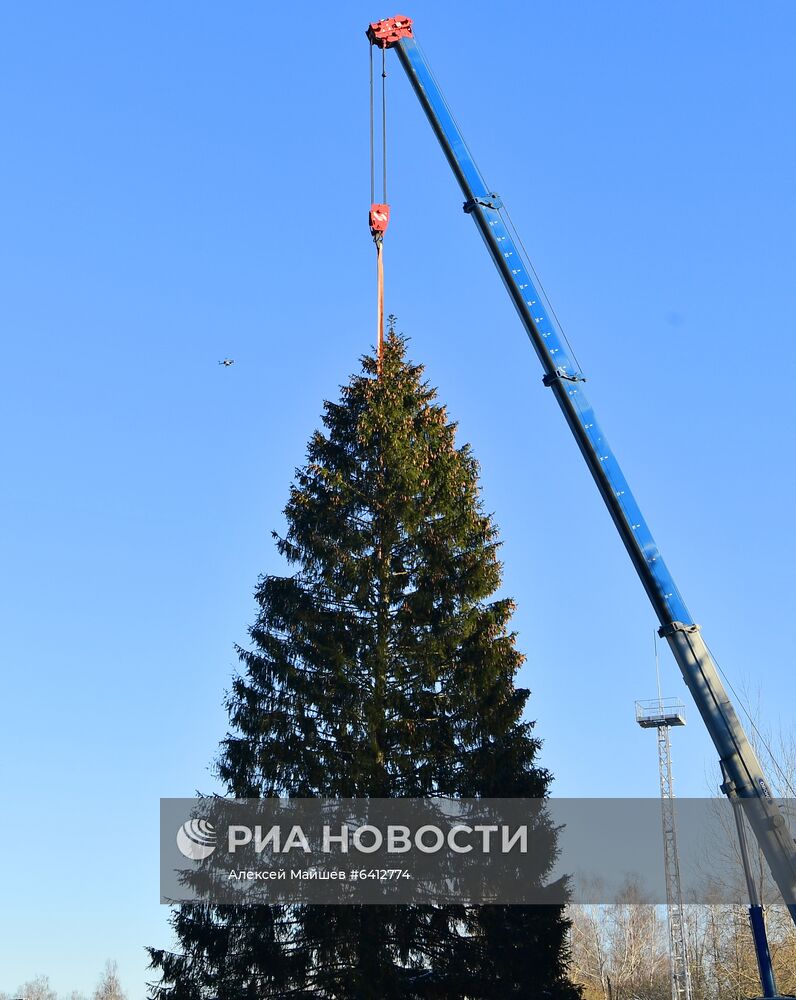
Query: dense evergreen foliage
[382, 665]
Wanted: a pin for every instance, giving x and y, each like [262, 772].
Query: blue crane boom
[744, 777]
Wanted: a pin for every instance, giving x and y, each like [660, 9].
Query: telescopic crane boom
[744, 777]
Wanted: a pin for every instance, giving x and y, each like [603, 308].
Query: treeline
[108, 988]
[620, 952]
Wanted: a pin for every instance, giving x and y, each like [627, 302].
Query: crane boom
[744, 775]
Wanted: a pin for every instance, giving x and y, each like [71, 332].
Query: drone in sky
[227, 362]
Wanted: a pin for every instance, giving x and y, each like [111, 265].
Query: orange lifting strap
[379, 218]
[379, 306]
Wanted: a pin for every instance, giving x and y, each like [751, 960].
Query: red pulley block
[379, 219]
[389, 31]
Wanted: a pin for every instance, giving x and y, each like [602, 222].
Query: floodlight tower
[661, 714]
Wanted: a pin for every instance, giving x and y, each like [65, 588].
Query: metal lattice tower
[661, 714]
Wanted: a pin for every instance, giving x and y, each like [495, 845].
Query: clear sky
[185, 182]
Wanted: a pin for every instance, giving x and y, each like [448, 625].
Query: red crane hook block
[379, 220]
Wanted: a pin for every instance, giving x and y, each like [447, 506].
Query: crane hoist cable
[379, 216]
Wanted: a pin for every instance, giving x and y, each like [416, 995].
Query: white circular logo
[196, 839]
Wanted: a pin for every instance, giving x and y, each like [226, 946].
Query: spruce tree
[381, 665]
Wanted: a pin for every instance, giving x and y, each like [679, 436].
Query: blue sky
[186, 182]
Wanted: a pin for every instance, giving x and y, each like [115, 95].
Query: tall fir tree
[383, 665]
